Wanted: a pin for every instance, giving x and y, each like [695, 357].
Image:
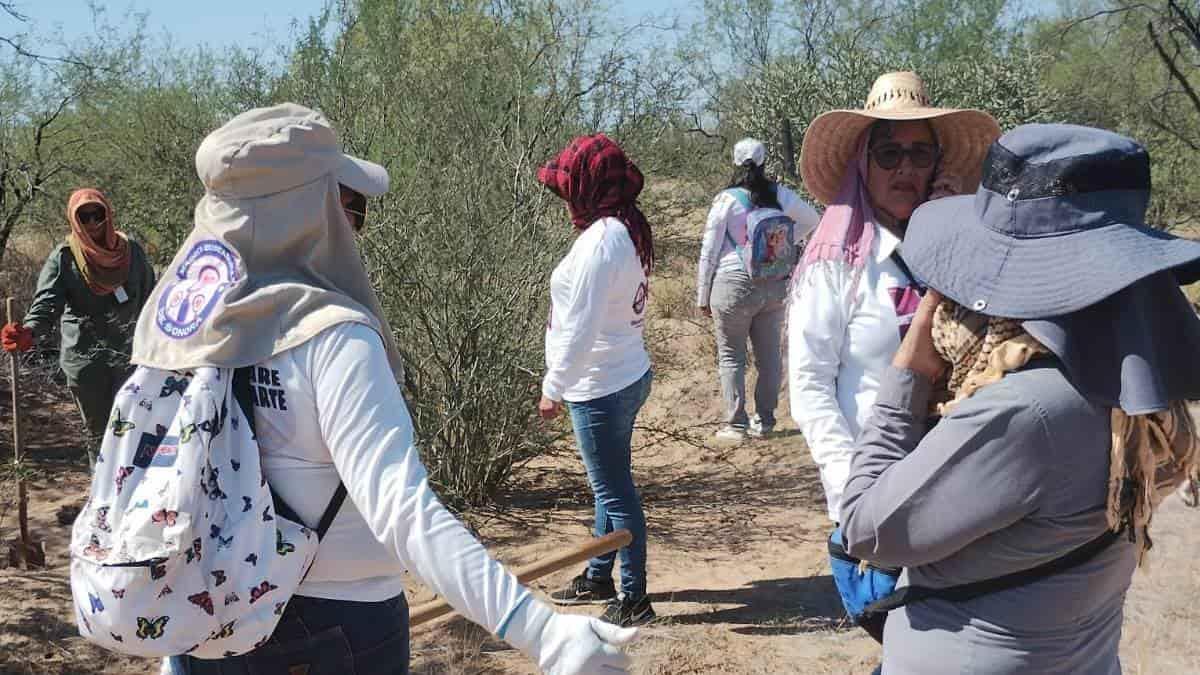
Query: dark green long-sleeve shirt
[95, 328]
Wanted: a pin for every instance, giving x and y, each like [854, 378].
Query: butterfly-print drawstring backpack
[180, 548]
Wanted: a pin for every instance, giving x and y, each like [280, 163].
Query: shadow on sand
[766, 607]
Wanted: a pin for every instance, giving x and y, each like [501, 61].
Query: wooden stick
[22, 498]
[606, 544]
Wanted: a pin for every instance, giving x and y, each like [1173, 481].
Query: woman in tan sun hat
[871, 168]
[271, 277]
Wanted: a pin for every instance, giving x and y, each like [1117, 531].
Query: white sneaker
[757, 429]
[732, 434]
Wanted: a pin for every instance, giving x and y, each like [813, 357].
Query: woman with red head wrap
[596, 360]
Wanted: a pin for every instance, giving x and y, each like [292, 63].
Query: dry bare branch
[10, 8]
[1169, 62]
[1096, 15]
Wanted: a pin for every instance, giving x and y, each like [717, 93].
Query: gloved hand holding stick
[559, 643]
[536, 570]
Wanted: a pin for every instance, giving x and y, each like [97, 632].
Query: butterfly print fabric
[179, 543]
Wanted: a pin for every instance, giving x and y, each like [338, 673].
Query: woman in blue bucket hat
[1063, 352]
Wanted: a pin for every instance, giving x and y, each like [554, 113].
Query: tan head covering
[832, 138]
[104, 260]
[271, 260]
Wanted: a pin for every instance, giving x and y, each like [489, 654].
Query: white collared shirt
[840, 343]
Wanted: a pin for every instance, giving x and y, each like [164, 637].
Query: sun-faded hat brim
[363, 176]
[951, 250]
[831, 140]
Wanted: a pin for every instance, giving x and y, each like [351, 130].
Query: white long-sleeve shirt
[598, 296]
[840, 343]
[322, 410]
[727, 216]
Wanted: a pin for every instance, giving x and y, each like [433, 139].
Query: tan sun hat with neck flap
[271, 260]
[832, 139]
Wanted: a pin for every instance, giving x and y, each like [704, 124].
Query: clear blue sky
[221, 22]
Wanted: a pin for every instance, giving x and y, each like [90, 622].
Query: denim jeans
[741, 309]
[604, 430]
[322, 637]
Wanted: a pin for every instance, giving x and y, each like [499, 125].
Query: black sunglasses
[91, 215]
[889, 155]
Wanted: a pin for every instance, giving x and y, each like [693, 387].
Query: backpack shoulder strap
[244, 397]
[899, 260]
[742, 196]
[963, 592]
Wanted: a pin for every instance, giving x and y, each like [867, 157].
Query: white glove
[568, 644]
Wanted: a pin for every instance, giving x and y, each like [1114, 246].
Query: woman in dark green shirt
[95, 282]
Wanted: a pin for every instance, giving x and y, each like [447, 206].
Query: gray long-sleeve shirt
[1013, 477]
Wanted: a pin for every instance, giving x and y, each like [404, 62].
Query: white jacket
[717, 252]
[840, 343]
[598, 296]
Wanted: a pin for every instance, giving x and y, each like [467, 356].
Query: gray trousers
[744, 309]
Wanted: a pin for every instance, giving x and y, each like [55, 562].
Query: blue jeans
[322, 637]
[604, 431]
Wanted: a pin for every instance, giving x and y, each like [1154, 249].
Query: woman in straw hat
[743, 307]
[96, 282]
[871, 168]
[1056, 318]
[271, 277]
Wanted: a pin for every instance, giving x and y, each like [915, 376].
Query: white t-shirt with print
[598, 296]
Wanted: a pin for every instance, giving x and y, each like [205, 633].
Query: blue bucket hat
[1056, 236]
[1057, 224]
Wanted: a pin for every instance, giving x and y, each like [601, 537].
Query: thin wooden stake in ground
[25, 546]
[609, 542]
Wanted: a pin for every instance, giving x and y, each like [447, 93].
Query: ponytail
[753, 178]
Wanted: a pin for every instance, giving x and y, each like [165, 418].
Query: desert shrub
[462, 103]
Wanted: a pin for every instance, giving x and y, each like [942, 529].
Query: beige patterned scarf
[1151, 454]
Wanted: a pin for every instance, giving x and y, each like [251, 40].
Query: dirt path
[737, 563]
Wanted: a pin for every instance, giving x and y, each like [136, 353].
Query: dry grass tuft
[22, 262]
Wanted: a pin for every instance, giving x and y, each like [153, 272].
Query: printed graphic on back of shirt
[639, 304]
[266, 390]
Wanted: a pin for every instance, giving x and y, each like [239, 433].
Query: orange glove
[16, 338]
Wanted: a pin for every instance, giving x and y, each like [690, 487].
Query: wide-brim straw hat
[832, 139]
